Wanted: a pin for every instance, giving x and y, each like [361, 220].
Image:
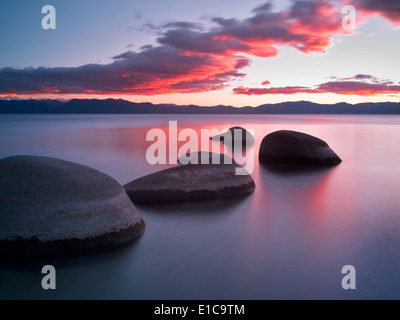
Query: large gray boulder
[204, 157]
[50, 206]
[190, 183]
[291, 147]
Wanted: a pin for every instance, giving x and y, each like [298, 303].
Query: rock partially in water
[296, 148]
[204, 157]
[190, 183]
[53, 206]
[236, 134]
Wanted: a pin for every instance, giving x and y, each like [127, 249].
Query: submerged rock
[203, 156]
[51, 206]
[291, 147]
[190, 183]
[236, 133]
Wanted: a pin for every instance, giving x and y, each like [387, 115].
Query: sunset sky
[205, 52]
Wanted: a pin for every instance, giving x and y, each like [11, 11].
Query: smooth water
[287, 240]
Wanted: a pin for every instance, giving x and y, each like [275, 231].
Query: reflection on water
[288, 239]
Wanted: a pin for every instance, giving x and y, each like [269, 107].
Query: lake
[287, 240]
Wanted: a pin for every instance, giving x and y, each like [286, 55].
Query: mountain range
[119, 106]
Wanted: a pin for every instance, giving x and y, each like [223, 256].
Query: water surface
[287, 240]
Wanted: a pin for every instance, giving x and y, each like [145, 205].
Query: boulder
[296, 148]
[190, 183]
[52, 206]
[202, 156]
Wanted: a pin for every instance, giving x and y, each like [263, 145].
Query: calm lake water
[287, 240]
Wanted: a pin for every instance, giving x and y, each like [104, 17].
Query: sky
[209, 52]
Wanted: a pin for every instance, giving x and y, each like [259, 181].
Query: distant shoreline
[114, 106]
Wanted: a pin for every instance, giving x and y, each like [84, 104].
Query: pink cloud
[389, 9]
[362, 85]
[191, 58]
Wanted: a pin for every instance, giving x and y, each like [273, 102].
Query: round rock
[52, 206]
[204, 157]
[291, 147]
[190, 183]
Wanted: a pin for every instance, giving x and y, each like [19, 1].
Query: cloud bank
[390, 9]
[190, 58]
[361, 84]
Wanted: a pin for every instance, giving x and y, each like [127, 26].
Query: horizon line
[200, 106]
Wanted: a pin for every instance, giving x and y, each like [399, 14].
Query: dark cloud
[387, 8]
[264, 7]
[224, 22]
[358, 88]
[366, 85]
[266, 91]
[182, 24]
[307, 26]
[321, 17]
[190, 40]
[150, 28]
[367, 77]
[363, 77]
[192, 58]
[155, 70]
